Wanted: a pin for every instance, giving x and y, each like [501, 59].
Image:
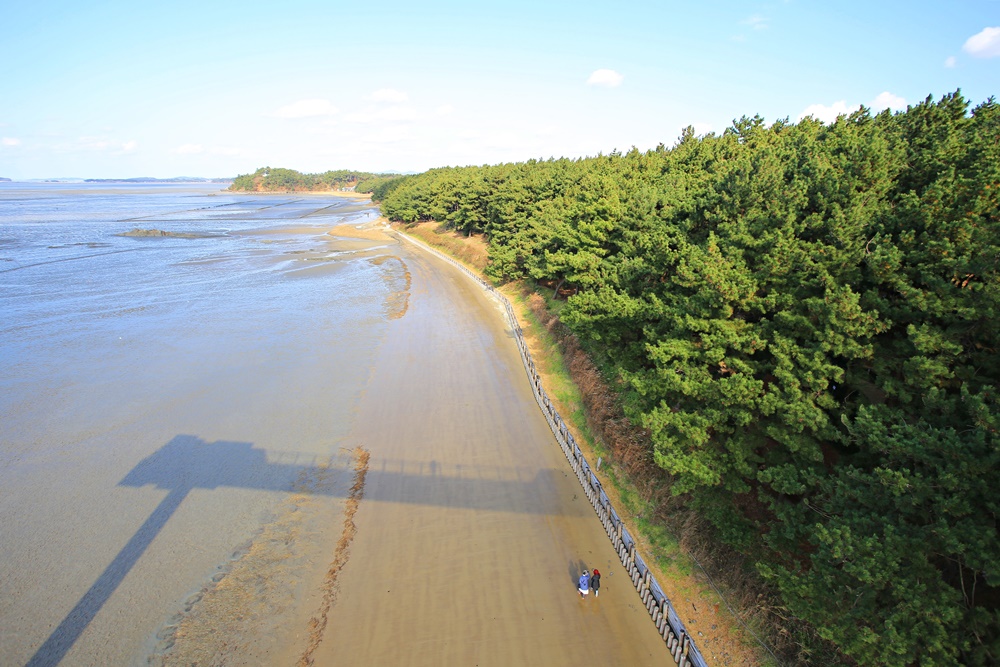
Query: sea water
[177, 367]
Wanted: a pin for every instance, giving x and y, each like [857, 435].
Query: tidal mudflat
[276, 435]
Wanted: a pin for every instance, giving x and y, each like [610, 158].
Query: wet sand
[185, 496]
[472, 531]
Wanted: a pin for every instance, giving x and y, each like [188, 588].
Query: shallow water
[183, 419]
[172, 407]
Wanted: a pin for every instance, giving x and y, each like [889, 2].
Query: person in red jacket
[595, 582]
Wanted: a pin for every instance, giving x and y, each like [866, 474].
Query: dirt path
[472, 530]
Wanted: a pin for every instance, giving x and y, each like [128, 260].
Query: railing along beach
[682, 648]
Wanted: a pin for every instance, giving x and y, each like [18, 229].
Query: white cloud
[388, 95]
[826, 114]
[444, 110]
[605, 77]
[950, 62]
[11, 141]
[757, 22]
[130, 146]
[829, 113]
[306, 109]
[701, 129]
[189, 149]
[887, 100]
[984, 44]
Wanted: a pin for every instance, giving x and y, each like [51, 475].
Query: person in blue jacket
[584, 585]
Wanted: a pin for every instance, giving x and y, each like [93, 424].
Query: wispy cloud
[606, 78]
[984, 44]
[189, 149]
[444, 110]
[94, 144]
[887, 100]
[756, 22]
[11, 141]
[388, 95]
[87, 144]
[950, 62]
[306, 109]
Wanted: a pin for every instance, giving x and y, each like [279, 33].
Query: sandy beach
[299, 443]
[472, 531]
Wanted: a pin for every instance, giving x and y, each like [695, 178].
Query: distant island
[5, 180]
[267, 179]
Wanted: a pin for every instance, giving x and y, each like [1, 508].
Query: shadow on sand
[188, 462]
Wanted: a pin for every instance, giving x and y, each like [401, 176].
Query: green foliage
[267, 179]
[806, 318]
[379, 186]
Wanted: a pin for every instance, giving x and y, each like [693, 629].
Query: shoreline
[346, 194]
[473, 530]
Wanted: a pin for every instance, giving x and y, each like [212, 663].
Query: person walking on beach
[595, 582]
[584, 585]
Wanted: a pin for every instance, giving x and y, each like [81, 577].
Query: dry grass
[469, 250]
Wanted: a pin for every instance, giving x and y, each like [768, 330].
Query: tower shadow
[187, 463]
[182, 465]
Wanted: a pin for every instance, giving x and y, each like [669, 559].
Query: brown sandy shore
[344, 194]
[472, 530]
[459, 545]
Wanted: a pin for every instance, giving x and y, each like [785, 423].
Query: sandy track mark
[244, 614]
[317, 625]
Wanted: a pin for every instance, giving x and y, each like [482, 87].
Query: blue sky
[121, 89]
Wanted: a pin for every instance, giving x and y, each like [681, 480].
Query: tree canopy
[806, 318]
[277, 179]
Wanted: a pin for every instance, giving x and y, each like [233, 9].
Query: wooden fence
[682, 648]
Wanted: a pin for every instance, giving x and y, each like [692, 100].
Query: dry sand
[472, 530]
